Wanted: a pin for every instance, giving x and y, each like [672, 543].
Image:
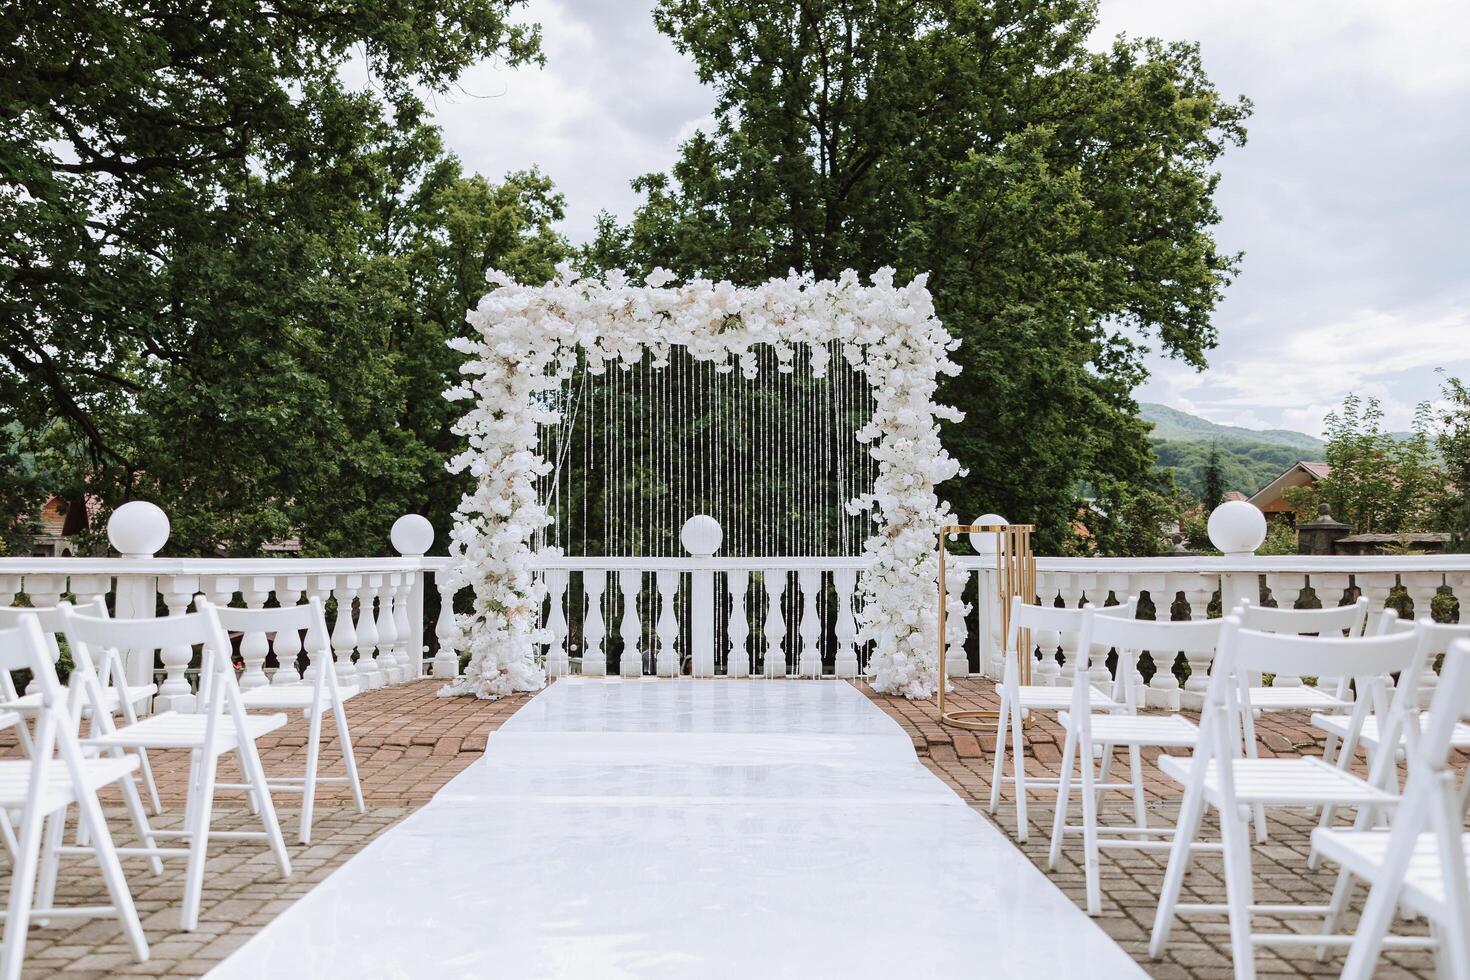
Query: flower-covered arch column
[527, 340]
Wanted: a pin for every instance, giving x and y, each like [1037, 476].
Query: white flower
[528, 338]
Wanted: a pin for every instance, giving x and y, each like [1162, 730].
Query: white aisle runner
[678, 828]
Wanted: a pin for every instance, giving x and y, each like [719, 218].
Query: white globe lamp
[412, 535]
[1237, 528]
[986, 542]
[701, 535]
[138, 529]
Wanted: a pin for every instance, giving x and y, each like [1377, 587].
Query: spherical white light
[986, 542]
[701, 535]
[412, 535]
[138, 529]
[1237, 527]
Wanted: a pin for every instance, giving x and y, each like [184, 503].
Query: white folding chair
[321, 694]
[1096, 736]
[117, 695]
[1423, 861]
[1018, 700]
[220, 726]
[1218, 776]
[39, 789]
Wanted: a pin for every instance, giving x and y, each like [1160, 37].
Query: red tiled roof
[1319, 470]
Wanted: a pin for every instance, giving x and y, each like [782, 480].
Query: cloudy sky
[1351, 199]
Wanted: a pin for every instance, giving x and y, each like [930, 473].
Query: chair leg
[997, 775]
[201, 812]
[50, 860]
[1140, 801]
[1341, 891]
[1064, 796]
[1104, 771]
[7, 833]
[89, 811]
[155, 807]
[313, 755]
[139, 816]
[1238, 892]
[339, 712]
[22, 890]
[255, 775]
[1018, 765]
[1089, 829]
[250, 794]
[1248, 720]
[1191, 809]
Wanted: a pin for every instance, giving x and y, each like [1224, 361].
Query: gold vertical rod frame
[1015, 575]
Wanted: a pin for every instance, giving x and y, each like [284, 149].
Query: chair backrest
[1130, 637]
[1351, 656]
[1351, 620]
[218, 692]
[51, 621]
[289, 620]
[23, 646]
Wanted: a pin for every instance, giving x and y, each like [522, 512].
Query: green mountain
[1249, 459]
[1174, 425]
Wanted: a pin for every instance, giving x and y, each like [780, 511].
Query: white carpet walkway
[673, 828]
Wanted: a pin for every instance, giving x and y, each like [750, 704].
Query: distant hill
[1174, 425]
[1249, 459]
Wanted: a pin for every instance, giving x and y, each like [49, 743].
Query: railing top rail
[753, 563]
[1215, 565]
[213, 566]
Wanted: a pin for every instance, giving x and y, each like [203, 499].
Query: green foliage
[1061, 200]
[1379, 483]
[1453, 443]
[1244, 466]
[1128, 520]
[1214, 488]
[229, 277]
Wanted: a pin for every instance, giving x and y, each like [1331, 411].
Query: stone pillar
[1318, 537]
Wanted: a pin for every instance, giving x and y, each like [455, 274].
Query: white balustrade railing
[699, 615]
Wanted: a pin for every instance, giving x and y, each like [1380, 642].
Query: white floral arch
[527, 340]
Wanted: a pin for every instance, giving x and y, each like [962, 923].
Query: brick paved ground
[410, 743]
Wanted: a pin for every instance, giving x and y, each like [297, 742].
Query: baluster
[367, 673]
[1330, 589]
[844, 581]
[1286, 589]
[287, 645]
[221, 589]
[254, 646]
[557, 663]
[319, 588]
[667, 580]
[631, 628]
[956, 625]
[809, 661]
[594, 657]
[388, 630]
[446, 631]
[174, 694]
[344, 634]
[1071, 593]
[737, 662]
[1375, 586]
[44, 591]
[408, 653]
[1094, 592]
[775, 625]
[1165, 690]
[1422, 588]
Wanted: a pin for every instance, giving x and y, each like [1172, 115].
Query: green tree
[229, 275]
[1060, 199]
[1214, 490]
[1453, 443]
[1378, 482]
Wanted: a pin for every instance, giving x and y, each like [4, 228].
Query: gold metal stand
[1015, 576]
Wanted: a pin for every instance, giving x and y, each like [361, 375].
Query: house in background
[1270, 498]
